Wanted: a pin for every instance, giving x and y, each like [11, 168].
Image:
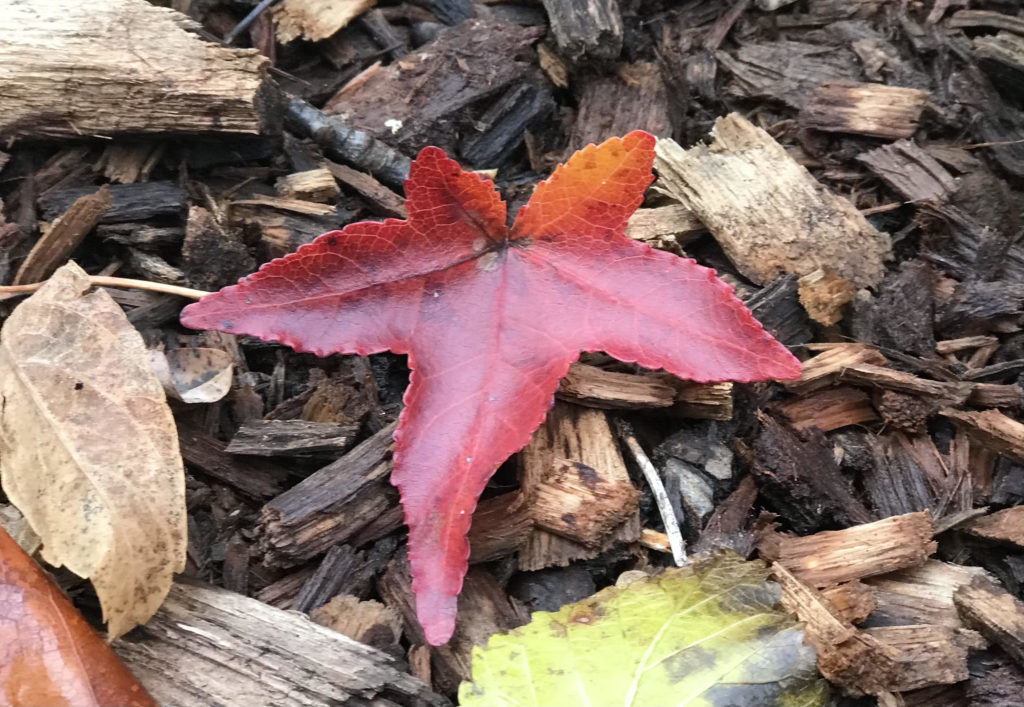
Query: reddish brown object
[49, 655]
[491, 318]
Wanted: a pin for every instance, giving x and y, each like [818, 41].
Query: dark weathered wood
[992, 429]
[908, 169]
[131, 202]
[142, 235]
[926, 655]
[993, 120]
[894, 484]
[586, 29]
[501, 129]
[253, 477]
[331, 505]
[801, 479]
[212, 255]
[633, 98]
[341, 571]
[997, 681]
[920, 595]
[424, 101]
[902, 315]
[189, 653]
[728, 525]
[778, 309]
[292, 438]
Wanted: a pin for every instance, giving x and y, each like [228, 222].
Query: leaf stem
[668, 515]
[102, 281]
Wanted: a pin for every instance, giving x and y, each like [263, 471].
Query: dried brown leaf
[88, 448]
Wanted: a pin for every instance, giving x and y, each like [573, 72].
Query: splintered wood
[766, 211]
[187, 653]
[830, 557]
[864, 108]
[137, 68]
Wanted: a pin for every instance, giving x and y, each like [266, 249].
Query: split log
[126, 53]
[871, 109]
[292, 438]
[766, 211]
[214, 647]
[996, 613]
[835, 556]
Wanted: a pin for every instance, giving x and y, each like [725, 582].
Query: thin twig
[668, 515]
[102, 281]
[246, 21]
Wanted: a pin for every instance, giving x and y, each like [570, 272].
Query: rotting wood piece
[315, 19]
[65, 233]
[366, 621]
[801, 479]
[189, 653]
[579, 503]
[501, 525]
[633, 98]
[871, 109]
[126, 53]
[596, 387]
[853, 661]
[766, 211]
[331, 505]
[296, 438]
[835, 556]
[502, 128]
[996, 613]
[830, 409]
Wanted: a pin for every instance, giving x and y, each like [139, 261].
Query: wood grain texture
[766, 211]
[137, 69]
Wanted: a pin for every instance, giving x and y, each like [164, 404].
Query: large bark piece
[766, 211]
[213, 647]
[137, 69]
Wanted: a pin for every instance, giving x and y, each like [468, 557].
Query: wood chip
[870, 109]
[268, 438]
[766, 211]
[992, 429]
[1005, 526]
[835, 556]
[55, 247]
[315, 19]
[312, 185]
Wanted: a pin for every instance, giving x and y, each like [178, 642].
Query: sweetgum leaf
[706, 635]
[491, 318]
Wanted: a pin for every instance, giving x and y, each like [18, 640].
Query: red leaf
[491, 319]
[48, 653]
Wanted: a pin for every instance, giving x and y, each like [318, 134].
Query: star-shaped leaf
[491, 318]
